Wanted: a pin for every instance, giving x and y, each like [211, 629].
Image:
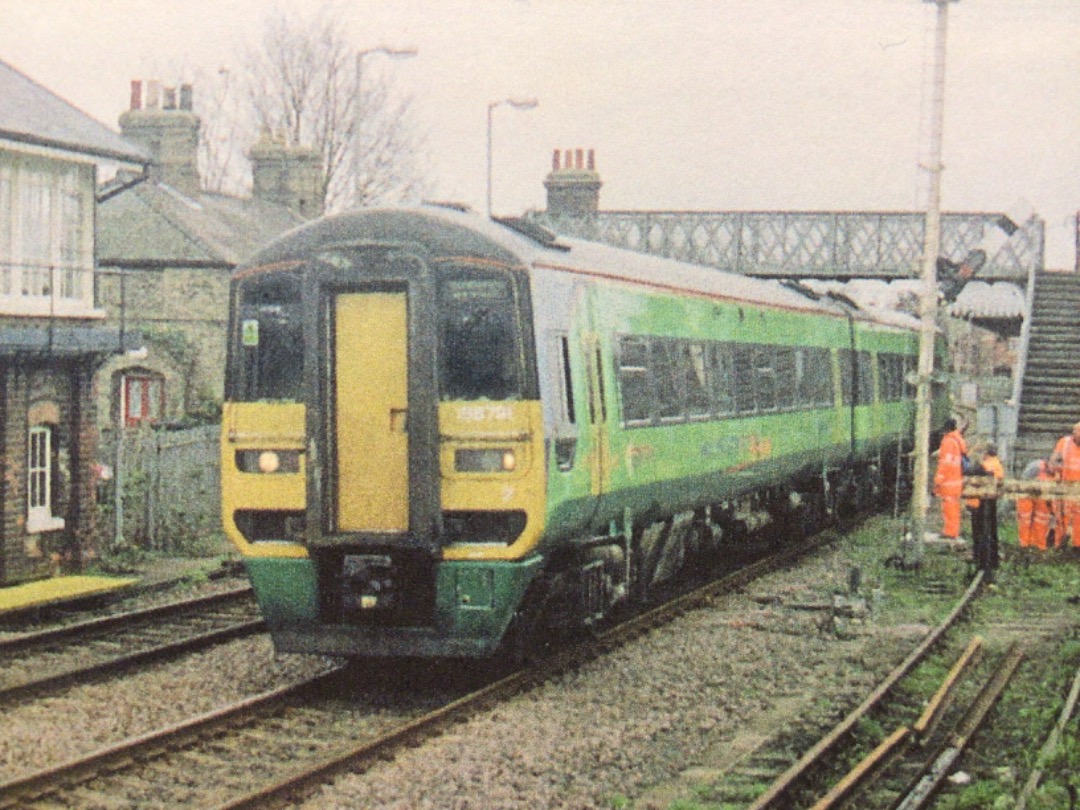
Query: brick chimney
[168, 128]
[573, 185]
[287, 175]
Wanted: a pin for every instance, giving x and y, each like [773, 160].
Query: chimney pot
[168, 100]
[153, 94]
[573, 192]
[136, 94]
[187, 97]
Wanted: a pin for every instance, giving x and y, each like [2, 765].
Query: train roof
[445, 232]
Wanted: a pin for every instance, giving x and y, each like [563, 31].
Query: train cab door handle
[399, 420]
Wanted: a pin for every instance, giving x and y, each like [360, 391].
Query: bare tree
[224, 136]
[302, 86]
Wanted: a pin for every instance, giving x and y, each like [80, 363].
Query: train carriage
[442, 432]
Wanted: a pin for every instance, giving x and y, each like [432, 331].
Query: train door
[599, 457]
[370, 379]
[600, 449]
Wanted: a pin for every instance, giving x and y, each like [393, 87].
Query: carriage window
[634, 379]
[480, 353]
[814, 373]
[848, 372]
[269, 338]
[694, 358]
[724, 384]
[765, 378]
[866, 378]
[891, 377]
[856, 376]
[664, 364]
[786, 378]
[744, 376]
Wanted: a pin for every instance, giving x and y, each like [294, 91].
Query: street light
[393, 53]
[517, 104]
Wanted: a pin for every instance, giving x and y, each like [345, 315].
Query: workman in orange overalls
[949, 477]
[1068, 449]
[1033, 515]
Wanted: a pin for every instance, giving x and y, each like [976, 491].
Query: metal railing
[34, 288]
[806, 244]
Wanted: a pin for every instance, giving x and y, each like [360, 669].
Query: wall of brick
[63, 390]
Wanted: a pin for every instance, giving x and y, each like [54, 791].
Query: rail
[783, 785]
[254, 723]
[35, 662]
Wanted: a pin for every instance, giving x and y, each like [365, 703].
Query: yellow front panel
[514, 426]
[261, 426]
[372, 400]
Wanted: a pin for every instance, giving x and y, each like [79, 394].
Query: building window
[39, 481]
[46, 238]
[143, 398]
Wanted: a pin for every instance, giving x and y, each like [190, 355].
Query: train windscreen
[269, 338]
[480, 336]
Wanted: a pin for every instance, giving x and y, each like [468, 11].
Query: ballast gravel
[52, 730]
[600, 736]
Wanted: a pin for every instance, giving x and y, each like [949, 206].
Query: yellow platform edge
[58, 589]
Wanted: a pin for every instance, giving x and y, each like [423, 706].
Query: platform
[56, 590]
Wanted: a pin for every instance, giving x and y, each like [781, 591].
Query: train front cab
[382, 451]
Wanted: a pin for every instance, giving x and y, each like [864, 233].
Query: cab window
[480, 339]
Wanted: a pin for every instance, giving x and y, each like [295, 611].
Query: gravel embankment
[597, 737]
[601, 736]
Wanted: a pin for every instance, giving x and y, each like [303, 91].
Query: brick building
[166, 250]
[52, 335]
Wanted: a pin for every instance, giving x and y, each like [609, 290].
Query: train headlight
[268, 461]
[485, 461]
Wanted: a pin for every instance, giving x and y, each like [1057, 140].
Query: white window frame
[39, 516]
[46, 233]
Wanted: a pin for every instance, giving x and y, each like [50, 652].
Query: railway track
[268, 750]
[907, 759]
[785, 787]
[51, 659]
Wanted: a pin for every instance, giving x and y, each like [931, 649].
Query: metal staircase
[1049, 397]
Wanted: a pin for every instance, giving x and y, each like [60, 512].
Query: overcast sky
[689, 104]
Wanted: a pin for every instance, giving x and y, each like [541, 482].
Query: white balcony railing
[43, 291]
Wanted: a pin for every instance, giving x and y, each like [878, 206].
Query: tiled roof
[31, 114]
[155, 224]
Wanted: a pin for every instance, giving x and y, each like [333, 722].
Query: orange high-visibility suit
[1033, 514]
[1068, 447]
[949, 481]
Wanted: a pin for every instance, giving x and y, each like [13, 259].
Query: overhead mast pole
[913, 551]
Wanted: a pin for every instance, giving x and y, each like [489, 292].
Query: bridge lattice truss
[826, 245]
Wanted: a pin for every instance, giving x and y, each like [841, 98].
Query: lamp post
[517, 104]
[393, 53]
[929, 294]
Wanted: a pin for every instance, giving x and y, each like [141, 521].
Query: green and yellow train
[443, 433]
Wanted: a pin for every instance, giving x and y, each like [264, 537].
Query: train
[446, 435]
